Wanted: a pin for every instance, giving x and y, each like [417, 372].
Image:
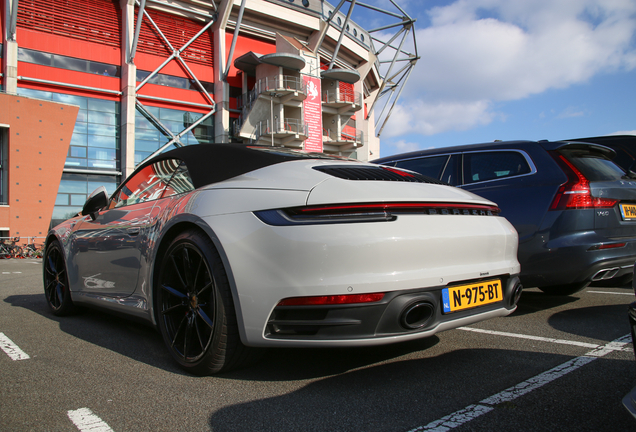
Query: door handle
[133, 231]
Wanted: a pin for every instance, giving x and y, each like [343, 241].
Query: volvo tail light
[575, 192]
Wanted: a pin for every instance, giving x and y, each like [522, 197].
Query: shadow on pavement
[410, 393]
[534, 300]
[143, 343]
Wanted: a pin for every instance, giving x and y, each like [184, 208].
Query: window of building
[94, 145]
[95, 142]
[149, 138]
[70, 63]
[3, 165]
[173, 81]
[73, 191]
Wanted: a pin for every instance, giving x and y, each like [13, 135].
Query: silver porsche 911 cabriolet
[227, 248]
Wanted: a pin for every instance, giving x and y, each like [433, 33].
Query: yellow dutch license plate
[628, 211]
[471, 295]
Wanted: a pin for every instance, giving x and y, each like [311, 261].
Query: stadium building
[90, 88]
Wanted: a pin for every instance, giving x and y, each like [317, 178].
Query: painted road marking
[609, 292]
[86, 421]
[537, 338]
[11, 349]
[458, 418]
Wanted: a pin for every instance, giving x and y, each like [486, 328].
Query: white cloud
[432, 118]
[632, 132]
[477, 52]
[571, 112]
[401, 146]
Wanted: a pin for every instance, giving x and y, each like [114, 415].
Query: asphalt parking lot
[556, 364]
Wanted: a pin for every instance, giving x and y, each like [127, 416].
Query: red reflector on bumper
[332, 300]
[607, 246]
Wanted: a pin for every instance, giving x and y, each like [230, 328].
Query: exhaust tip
[417, 315]
[516, 293]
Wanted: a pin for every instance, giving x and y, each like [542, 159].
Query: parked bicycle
[10, 249]
[31, 250]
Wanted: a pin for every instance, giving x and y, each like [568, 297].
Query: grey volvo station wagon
[573, 207]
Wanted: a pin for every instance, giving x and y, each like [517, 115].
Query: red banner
[312, 109]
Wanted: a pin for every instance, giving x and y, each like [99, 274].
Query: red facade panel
[90, 20]
[178, 31]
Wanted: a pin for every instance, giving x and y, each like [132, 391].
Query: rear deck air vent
[379, 173]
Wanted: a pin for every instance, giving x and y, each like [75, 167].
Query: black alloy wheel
[56, 286]
[194, 305]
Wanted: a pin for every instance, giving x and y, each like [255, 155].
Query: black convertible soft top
[213, 163]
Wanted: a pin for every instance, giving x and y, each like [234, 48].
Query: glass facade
[69, 63]
[149, 138]
[3, 166]
[95, 145]
[74, 188]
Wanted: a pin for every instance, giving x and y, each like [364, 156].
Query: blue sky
[515, 69]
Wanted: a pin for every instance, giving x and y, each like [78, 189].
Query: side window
[493, 165]
[452, 172]
[429, 166]
[146, 185]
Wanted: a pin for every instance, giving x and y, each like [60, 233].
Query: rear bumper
[400, 314]
[571, 260]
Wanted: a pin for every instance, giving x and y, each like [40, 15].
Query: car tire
[56, 286]
[566, 289]
[195, 310]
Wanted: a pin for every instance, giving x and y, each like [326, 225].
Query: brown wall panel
[38, 138]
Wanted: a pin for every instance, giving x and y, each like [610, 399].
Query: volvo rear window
[594, 166]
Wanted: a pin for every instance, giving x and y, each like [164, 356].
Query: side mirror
[632, 170]
[95, 202]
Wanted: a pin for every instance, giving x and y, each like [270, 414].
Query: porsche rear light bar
[331, 300]
[368, 212]
[575, 192]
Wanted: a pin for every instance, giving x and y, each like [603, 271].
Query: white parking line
[471, 412]
[609, 292]
[537, 338]
[86, 421]
[11, 349]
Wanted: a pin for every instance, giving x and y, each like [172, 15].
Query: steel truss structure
[174, 139]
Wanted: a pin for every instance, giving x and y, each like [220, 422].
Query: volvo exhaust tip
[605, 274]
[417, 315]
